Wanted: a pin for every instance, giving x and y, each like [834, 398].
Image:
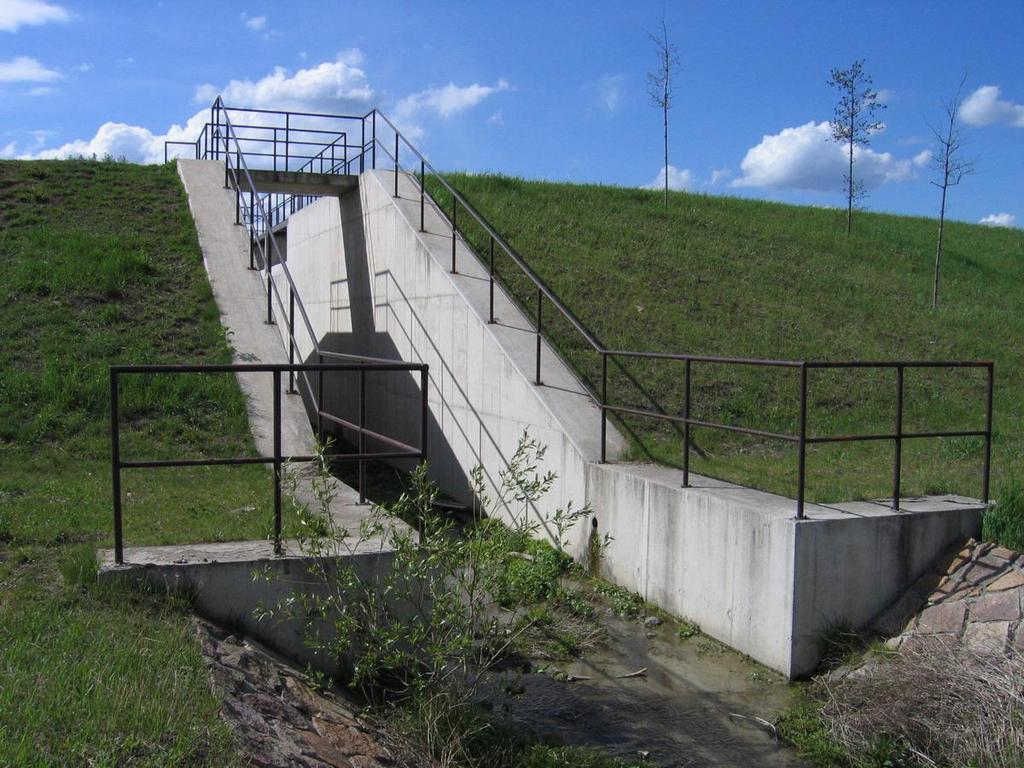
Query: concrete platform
[235, 583]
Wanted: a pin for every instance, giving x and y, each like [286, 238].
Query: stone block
[942, 618]
[1009, 580]
[987, 637]
[997, 606]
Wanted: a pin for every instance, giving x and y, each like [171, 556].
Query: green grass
[723, 276]
[101, 264]
[1004, 523]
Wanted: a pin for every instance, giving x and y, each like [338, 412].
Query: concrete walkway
[241, 299]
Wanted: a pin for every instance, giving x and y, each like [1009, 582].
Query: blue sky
[544, 89]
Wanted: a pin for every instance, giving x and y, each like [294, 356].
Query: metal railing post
[275, 148]
[362, 435]
[802, 444]
[227, 159]
[686, 423]
[373, 140]
[423, 193]
[362, 146]
[277, 462]
[604, 406]
[320, 400]
[287, 138]
[115, 469]
[291, 340]
[987, 468]
[455, 212]
[424, 411]
[252, 250]
[270, 284]
[396, 162]
[491, 287]
[897, 468]
[540, 304]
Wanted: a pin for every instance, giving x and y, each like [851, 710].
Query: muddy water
[693, 707]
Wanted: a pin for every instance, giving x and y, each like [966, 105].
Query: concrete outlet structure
[732, 559]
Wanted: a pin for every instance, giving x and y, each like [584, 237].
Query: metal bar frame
[277, 459]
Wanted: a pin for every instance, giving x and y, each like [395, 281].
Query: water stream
[694, 706]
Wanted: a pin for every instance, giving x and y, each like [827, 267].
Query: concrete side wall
[373, 284]
[718, 555]
[847, 569]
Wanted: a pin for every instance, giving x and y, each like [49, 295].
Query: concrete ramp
[241, 299]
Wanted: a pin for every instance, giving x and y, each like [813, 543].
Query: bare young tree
[660, 84]
[853, 122]
[950, 168]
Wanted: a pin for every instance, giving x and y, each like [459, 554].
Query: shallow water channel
[694, 705]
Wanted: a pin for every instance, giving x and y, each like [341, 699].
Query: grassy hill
[99, 263]
[722, 276]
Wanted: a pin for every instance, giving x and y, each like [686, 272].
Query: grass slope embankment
[723, 276]
[99, 263]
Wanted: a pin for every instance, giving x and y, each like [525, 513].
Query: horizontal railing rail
[278, 459]
[393, 144]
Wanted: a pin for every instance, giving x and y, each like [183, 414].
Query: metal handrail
[601, 398]
[278, 459]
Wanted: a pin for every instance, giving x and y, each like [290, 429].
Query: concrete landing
[302, 183]
[241, 298]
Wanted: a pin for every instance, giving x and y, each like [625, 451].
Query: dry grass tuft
[944, 704]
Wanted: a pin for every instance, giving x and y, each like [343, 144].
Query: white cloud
[922, 158]
[335, 87]
[132, 142]
[9, 150]
[609, 91]
[85, 66]
[24, 69]
[719, 175]
[255, 23]
[332, 86]
[497, 119]
[41, 90]
[984, 107]
[23, 13]
[447, 101]
[807, 158]
[678, 178]
[442, 103]
[999, 220]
